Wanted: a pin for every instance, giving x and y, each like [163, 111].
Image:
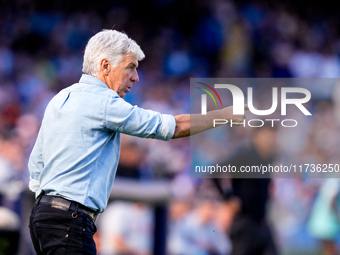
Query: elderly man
[73, 163]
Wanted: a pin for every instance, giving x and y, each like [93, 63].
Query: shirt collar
[89, 79]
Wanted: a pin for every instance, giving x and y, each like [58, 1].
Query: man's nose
[135, 77]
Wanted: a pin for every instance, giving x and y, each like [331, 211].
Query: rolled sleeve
[132, 120]
[166, 129]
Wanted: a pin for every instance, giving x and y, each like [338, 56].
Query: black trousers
[57, 232]
[250, 237]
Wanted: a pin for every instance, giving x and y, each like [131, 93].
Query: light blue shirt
[77, 149]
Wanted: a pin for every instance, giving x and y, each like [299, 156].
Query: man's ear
[105, 66]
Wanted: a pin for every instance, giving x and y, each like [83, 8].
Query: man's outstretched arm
[191, 124]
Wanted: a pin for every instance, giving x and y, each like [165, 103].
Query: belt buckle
[92, 215]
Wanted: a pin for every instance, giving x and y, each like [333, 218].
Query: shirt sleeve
[132, 120]
[35, 163]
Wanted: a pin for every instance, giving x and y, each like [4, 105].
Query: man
[249, 231]
[73, 163]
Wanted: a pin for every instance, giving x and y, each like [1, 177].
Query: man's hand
[236, 119]
[190, 124]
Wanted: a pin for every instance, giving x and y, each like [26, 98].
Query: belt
[66, 205]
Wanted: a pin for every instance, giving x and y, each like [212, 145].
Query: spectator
[126, 229]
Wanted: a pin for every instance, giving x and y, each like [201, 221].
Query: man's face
[121, 78]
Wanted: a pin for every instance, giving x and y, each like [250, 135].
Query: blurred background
[167, 212]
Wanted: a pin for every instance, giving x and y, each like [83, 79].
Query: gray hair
[109, 44]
